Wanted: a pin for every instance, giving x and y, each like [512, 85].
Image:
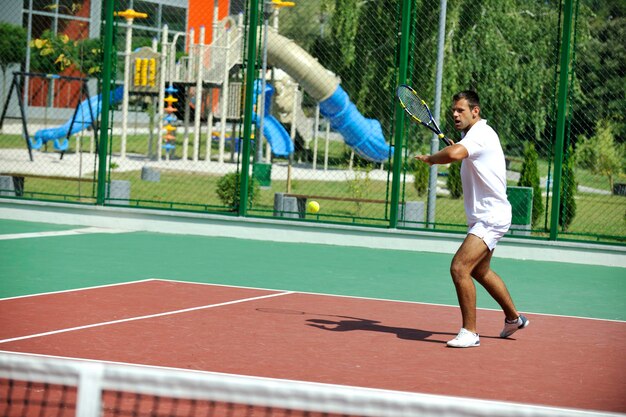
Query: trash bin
[7, 186]
[521, 199]
[118, 192]
[411, 214]
[619, 188]
[290, 207]
[150, 174]
[262, 173]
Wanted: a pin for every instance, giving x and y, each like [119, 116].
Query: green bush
[454, 180]
[228, 190]
[421, 173]
[529, 177]
[567, 205]
[12, 45]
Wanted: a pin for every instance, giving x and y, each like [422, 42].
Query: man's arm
[448, 154]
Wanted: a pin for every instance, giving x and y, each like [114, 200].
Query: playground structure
[207, 68]
[203, 79]
[84, 115]
[211, 65]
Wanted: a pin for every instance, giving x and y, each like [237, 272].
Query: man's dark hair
[470, 96]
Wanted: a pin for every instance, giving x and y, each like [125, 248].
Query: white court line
[81, 231]
[95, 287]
[149, 316]
[356, 297]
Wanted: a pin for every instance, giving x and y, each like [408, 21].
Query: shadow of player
[359, 324]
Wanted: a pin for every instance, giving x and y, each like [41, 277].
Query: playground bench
[413, 212]
[19, 178]
[335, 198]
[45, 177]
[297, 208]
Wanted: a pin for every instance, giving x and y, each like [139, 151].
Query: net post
[89, 401]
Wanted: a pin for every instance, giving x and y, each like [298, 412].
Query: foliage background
[508, 50]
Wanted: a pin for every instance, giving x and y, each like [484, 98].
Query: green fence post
[249, 97]
[561, 116]
[399, 131]
[107, 73]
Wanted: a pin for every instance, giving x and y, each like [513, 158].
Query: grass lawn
[596, 214]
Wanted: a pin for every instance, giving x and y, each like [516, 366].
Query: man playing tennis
[483, 175]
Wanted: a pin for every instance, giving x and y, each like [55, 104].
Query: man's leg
[472, 251]
[495, 286]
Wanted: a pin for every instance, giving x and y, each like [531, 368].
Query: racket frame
[431, 123]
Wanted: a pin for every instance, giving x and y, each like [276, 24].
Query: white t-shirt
[483, 174]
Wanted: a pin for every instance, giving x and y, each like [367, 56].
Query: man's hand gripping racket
[415, 107]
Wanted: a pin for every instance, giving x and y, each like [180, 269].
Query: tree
[12, 49]
[359, 187]
[600, 153]
[529, 177]
[504, 49]
[420, 175]
[344, 23]
[600, 67]
[303, 22]
[567, 205]
[54, 53]
[359, 45]
[454, 180]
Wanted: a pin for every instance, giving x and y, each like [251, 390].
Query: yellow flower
[64, 61]
[39, 43]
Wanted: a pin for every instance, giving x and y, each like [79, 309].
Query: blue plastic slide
[274, 132]
[363, 135]
[82, 120]
[277, 136]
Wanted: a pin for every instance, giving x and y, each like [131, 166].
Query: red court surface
[558, 361]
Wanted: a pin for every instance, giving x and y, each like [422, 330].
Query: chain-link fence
[317, 80]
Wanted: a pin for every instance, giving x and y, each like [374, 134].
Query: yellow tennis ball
[313, 207]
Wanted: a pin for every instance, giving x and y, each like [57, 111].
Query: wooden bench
[334, 198]
[299, 211]
[19, 178]
[413, 211]
[46, 177]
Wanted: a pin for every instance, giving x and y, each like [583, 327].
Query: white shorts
[490, 234]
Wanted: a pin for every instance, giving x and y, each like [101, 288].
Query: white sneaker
[510, 328]
[464, 339]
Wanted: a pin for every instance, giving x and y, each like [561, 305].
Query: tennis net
[33, 385]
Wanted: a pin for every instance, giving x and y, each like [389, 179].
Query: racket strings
[413, 104]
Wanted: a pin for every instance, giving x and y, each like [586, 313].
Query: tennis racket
[417, 108]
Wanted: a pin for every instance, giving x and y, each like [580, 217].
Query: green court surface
[10, 227]
[53, 263]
